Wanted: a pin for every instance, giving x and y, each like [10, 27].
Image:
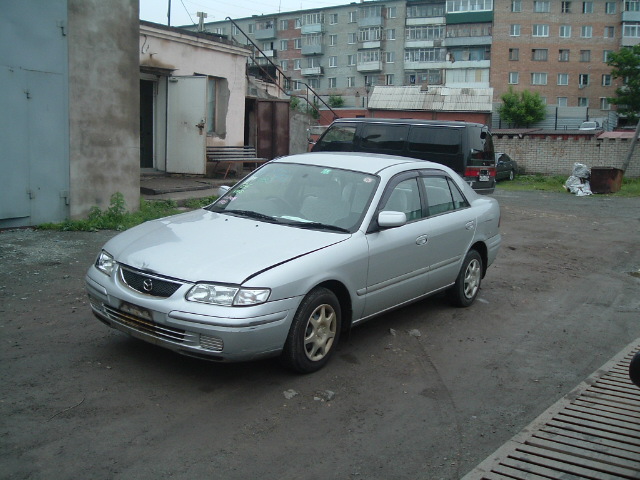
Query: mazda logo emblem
[147, 285]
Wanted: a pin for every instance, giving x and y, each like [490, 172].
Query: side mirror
[391, 219]
[223, 189]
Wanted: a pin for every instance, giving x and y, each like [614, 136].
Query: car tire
[634, 369]
[512, 175]
[464, 292]
[314, 332]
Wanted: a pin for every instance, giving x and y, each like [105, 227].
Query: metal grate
[593, 433]
[148, 284]
[145, 326]
[211, 343]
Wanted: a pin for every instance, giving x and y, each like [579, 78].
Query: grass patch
[116, 216]
[554, 183]
[194, 203]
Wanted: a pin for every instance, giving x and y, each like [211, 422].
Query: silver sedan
[304, 248]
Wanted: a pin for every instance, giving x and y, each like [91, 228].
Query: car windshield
[304, 196]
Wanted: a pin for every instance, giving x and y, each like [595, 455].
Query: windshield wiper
[318, 226]
[251, 214]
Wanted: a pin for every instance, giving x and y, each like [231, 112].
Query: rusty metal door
[273, 128]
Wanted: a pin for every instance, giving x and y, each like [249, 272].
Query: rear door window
[338, 138]
[379, 138]
[433, 139]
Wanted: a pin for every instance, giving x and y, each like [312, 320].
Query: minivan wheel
[512, 175]
[314, 332]
[464, 292]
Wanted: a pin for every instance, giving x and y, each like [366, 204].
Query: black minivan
[465, 147]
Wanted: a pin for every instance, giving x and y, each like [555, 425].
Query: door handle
[470, 225]
[421, 240]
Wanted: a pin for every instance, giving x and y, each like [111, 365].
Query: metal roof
[443, 99]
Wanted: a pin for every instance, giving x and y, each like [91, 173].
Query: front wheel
[512, 175]
[314, 332]
[465, 290]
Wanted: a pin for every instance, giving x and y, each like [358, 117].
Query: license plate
[484, 178]
[136, 311]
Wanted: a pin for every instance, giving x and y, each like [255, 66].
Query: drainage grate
[592, 433]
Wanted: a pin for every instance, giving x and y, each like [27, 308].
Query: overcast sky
[183, 12]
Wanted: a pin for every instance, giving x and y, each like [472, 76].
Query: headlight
[226, 295]
[105, 263]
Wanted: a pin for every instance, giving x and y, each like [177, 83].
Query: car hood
[208, 246]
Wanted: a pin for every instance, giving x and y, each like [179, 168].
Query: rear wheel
[512, 175]
[314, 332]
[465, 290]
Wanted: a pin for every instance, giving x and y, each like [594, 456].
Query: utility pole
[201, 16]
[632, 147]
[168, 13]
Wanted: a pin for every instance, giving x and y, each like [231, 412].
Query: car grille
[148, 284]
[145, 326]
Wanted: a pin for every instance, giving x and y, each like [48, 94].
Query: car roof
[408, 121]
[370, 163]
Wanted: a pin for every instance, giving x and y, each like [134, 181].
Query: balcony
[270, 53]
[266, 33]
[371, 21]
[312, 50]
[468, 41]
[631, 16]
[370, 44]
[375, 66]
[425, 21]
[423, 43]
[312, 72]
[312, 28]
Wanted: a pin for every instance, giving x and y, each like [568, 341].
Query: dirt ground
[426, 392]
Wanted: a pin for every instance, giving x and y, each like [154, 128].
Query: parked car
[465, 147]
[303, 248]
[506, 167]
[589, 126]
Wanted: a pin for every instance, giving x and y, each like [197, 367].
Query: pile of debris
[578, 182]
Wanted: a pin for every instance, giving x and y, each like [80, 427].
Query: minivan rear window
[384, 137]
[435, 139]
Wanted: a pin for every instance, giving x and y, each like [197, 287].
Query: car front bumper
[205, 331]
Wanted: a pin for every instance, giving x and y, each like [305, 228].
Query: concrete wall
[555, 155]
[104, 97]
[187, 54]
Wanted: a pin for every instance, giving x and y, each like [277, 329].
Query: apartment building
[556, 48]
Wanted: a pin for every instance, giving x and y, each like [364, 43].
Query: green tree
[522, 109]
[336, 101]
[625, 64]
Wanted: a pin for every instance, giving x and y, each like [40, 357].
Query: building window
[539, 54]
[392, 12]
[587, 7]
[251, 27]
[368, 56]
[351, 60]
[333, 20]
[284, 64]
[333, 82]
[610, 8]
[352, 38]
[388, 79]
[284, 45]
[538, 78]
[284, 24]
[586, 31]
[516, 6]
[583, 80]
[585, 55]
[351, 81]
[333, 40]
[541, 6]
[609, 32]
[235, 30]
[297, 63]
[604, 103]
[333, 61]
[391, 34]
[514, 54]
[566, 7]
[427, 32]
[298, 22]
[583, 102]
[561, 101]
[514, 77]
[353, 16]
[314, 83]
[632, 6]
[425, 54]
[514, 31]
[297, 85]
[631, 30]
[605, 55]
[606, 80]
[297, 43]
[565, 31]
[390, 57]
[563, 79]
[563, 55]
[540, 30]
